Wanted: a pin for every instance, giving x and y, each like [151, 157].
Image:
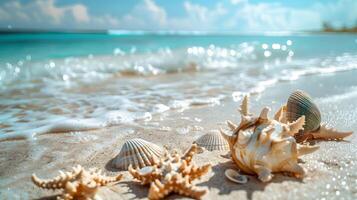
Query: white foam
[85, 93]
[59, 127]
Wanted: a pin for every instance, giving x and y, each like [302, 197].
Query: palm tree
[327, 26]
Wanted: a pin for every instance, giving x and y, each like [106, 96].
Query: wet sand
[331, 171]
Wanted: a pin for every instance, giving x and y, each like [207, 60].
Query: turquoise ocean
[76, 81]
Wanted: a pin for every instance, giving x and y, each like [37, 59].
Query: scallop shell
[213, 141]
[234, 176]
[138, 153]
[299, 104]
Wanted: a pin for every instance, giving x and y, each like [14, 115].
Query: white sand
[331, 171]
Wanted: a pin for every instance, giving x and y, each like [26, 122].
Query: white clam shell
[234, 176]
[138, 153]
[213, 141]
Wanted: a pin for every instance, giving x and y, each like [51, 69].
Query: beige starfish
[172, 174]
[76, 184]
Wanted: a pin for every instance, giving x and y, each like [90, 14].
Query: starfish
[172, 173]
[76, 184]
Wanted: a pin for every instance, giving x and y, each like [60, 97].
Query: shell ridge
[136, 152]
[212, 141]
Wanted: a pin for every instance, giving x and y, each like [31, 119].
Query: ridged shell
[138, 153]
[300, 103]
[213, 141]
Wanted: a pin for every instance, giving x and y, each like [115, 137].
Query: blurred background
[242, 16]
[111, 62]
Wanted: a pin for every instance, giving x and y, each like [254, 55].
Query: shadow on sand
[52, 197]
[139, 191]
[218, 181]
[225, 187]
[110, 166]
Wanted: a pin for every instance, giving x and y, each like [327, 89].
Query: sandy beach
[88, 88]
[331, 171]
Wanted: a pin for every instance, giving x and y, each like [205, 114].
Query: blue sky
[188, 15]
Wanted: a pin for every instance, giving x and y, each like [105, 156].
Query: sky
[175, 15]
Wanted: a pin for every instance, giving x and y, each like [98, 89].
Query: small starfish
[76, 184]
[172, 174]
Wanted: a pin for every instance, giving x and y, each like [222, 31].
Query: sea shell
[234, 176]
[263, 146]
[213, 141]
[299, 104]
[138, 153]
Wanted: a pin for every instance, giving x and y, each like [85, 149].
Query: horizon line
[158, 32]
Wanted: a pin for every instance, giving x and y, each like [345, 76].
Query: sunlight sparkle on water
[275, 46]
[267, 53]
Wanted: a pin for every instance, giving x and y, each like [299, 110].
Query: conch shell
[299, 104]
[261, 146]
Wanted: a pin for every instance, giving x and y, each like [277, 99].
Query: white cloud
[45, 13]
[273, 17]
[234, 2]
[232, 15]
[145, 15]
[80, 13]
[198, 17]
[278, 17]
[104, 21]
[196, 11]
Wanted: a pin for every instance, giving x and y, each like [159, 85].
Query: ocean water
[73, 82]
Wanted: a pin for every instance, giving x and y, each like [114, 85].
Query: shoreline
[53, 152]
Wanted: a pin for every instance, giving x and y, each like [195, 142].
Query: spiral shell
[299, 104]
[213, 141]
[264, 146]
[138, 153]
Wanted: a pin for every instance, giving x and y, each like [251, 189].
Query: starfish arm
[184, 187]
[198, 172]
[69, 192]
[190, 152]
[58, 182]
[104, 180]
[158, 190]
[327, 133]
[65, 196]
[144, 178]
